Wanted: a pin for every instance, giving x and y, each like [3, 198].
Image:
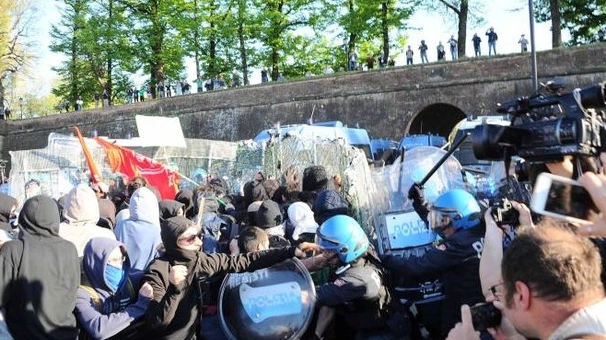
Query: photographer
[550, 288]
[492, 253]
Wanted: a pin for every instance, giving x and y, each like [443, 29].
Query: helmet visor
[439, 219]
[326, 243]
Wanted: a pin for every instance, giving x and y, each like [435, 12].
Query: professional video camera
[545, 128]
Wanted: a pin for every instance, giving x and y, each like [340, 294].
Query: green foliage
[584, 19]
[106, 42]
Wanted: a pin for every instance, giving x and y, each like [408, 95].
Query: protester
[39, 276]
[174, 312]
[81, 214]
[8, 207]
[141, 231]
[107, 302]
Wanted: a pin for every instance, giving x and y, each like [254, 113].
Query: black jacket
[174, 311]
[39, 276]
[358, 294]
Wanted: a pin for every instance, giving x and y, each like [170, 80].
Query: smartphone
[485, 315]
[561, 198]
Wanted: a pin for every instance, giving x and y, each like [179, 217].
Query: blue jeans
[492, 47]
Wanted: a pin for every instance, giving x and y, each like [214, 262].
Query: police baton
[443, 159]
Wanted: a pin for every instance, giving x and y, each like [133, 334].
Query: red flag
[95, 175]
[131, 164]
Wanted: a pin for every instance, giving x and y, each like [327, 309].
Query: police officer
[356, 291]
[455, 216]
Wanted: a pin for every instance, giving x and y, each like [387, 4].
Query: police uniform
[457, 264]
[357, 294]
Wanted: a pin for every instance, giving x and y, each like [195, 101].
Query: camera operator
[550, 288]
[456, 217]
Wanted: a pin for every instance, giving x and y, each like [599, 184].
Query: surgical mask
[114, 276]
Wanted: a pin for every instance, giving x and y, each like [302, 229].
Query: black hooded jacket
[39, 276]
[174, 311]
[6, 205]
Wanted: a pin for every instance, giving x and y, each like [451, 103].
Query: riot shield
[399, 227]
[270, 303]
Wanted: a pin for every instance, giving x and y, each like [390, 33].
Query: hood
[302, 218]
[6, 205]
[185, 196]
[39, 217]
[170, 231]
[269, 215]
[170, 208]
[81, 205]
[144, 206]
[94, 261]
[329, 203]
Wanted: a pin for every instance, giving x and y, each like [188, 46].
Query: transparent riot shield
[400, 230]
[398, 226]
[271, 303]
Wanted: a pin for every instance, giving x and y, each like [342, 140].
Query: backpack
[133, 331]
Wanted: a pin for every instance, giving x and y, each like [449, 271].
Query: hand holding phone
[596, 186]
[561, 198]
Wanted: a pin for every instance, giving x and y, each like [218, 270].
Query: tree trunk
[197, 40]
[462, 34]
[556, 23]
[243, 54]
[385, 30]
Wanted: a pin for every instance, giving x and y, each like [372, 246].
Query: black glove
[416, 193]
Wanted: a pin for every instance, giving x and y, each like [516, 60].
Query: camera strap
[576, 94]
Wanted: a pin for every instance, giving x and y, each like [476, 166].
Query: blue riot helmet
[456, 208]
[343, 235]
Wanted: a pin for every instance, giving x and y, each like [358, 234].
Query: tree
[278, 19]
[154, 29]
[94, 35]
[16, 19]
[464, 11]
[583, 19]
[371, 22]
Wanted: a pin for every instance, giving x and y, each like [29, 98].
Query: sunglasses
[188, 239]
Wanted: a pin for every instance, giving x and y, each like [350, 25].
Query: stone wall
[383, 101]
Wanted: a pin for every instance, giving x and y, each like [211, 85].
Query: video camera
[545, 128]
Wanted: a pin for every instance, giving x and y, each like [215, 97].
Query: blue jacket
[458, 266]
[117, 308]
[140, 233]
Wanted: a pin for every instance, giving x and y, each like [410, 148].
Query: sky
[510, 20]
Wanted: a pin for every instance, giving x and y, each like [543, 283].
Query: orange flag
[131, 164]
[95, 174]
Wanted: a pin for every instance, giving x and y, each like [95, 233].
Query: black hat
[314, 178]
[269, 214]
[329, 203]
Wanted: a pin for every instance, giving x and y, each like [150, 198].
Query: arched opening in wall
[436, 119]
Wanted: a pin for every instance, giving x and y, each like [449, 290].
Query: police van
[331, 130]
